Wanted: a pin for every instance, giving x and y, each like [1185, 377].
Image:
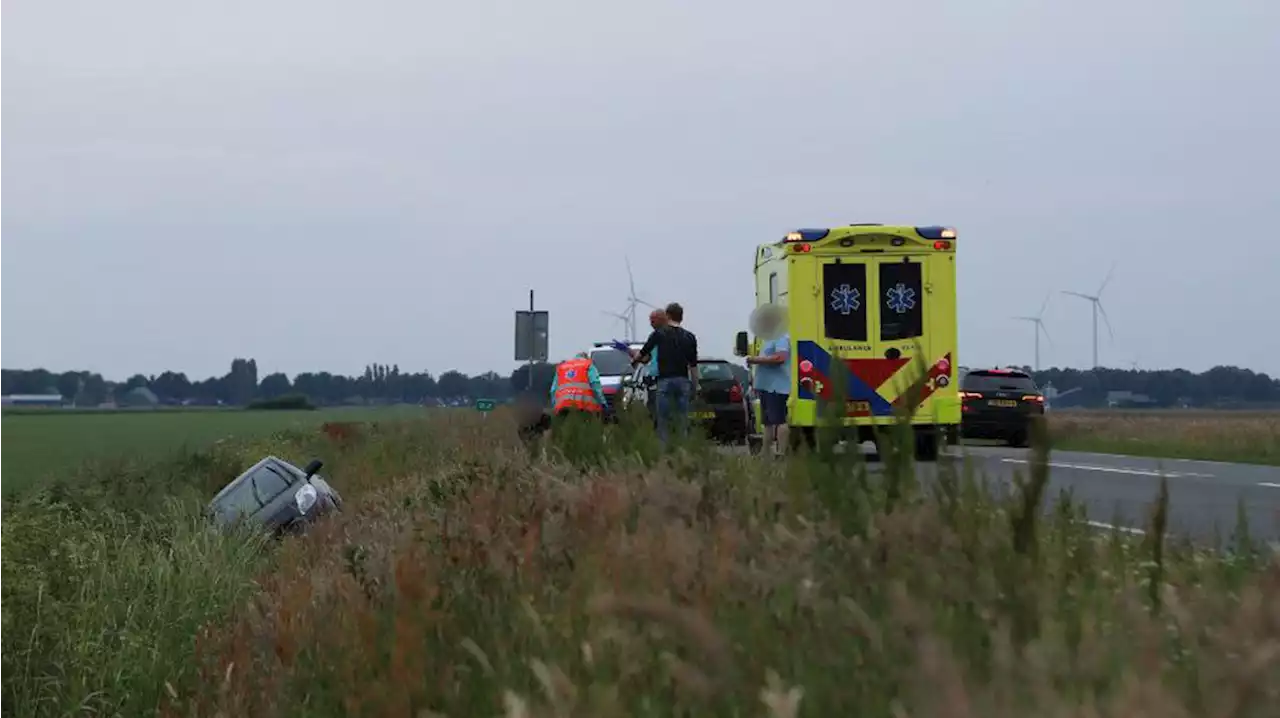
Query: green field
[41, 443]
[470, 574]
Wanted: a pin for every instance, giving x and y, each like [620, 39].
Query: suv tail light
[1034, 398]
[970, 395]
[735, 392]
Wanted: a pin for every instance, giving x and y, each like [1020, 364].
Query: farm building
[32, 400]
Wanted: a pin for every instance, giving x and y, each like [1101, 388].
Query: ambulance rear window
[844, 309]
[901, 301]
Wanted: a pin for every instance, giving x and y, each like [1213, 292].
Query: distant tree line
[1222, 386]
[241, 385]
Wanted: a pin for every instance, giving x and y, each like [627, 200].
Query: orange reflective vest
[573, 389]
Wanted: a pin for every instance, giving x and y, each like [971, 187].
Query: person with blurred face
[773, 377]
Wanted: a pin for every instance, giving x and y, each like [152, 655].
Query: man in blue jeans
[676, 351]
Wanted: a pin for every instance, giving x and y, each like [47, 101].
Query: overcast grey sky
[321, 185]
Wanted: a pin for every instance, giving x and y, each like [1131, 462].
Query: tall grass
[474, 575]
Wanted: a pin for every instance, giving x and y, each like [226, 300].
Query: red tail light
[1034, 398]
[970, 395]
[735, 392]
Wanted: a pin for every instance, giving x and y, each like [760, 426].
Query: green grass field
[38, 444]
[41, 443]
[1249, 437]
[472, 575]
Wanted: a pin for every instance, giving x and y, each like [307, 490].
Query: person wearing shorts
[773, 381]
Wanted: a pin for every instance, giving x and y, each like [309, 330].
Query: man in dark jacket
[676, 349]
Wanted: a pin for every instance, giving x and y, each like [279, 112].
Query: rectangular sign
[531, 335]
[485, 404]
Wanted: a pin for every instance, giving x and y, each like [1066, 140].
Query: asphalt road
[1119, 490]
[1204, 496]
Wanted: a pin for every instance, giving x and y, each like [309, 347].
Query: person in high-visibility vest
[576, 388]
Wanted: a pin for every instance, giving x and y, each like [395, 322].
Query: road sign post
[484, 406]
[532, 330]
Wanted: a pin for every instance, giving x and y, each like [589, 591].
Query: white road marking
[1121, 529]
[1269, 485]
[1115, 469]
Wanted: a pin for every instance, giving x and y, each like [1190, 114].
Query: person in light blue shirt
[657, 319]
[773, 378]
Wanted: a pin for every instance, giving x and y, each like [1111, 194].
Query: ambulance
[881, 300]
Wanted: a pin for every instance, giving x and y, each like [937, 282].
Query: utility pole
[533, 329]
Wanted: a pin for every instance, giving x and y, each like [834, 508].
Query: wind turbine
[1096, 299]
[633, 300]
[1038, 320]
[624, 317]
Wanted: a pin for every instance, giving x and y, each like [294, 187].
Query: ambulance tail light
[942, 245]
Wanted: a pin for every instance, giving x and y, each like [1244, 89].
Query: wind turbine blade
[631, 280]
[651, 306]
[1078, 294]
[1044, 305]
[1106, 320]
[1044, 329]
[1107, 281]
[1026, 319]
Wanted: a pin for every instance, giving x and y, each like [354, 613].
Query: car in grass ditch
[999, 404]
[275, 495]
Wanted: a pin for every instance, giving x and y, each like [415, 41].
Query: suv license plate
[1003, 402]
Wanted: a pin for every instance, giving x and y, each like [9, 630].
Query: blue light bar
[936, 232]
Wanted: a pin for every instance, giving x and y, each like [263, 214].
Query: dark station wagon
[275, 495]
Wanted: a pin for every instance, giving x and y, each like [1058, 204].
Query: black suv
[999, 404]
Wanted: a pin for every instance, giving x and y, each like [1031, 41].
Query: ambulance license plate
[1010, 403]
